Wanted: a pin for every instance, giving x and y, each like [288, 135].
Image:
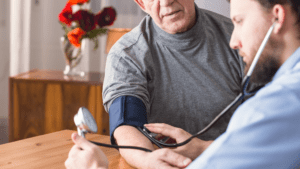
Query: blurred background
[30, 39]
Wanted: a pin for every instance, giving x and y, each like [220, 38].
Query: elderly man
[263, 131]
[175, 67]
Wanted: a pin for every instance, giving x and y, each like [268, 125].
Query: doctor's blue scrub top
[264, 132]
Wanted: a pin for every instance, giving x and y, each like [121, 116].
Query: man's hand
[85, 155]
[165, 159]
[192, 149]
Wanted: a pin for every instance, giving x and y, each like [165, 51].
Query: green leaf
[65, 28]
[94, 33]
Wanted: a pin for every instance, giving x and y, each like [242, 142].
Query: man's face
[251, 23]
[173, 16]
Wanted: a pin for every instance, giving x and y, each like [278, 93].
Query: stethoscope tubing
[159, 143]
[117, 146]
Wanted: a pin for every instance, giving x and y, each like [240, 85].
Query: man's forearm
[130, 136]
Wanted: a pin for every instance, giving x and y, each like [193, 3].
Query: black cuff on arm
[126, 110]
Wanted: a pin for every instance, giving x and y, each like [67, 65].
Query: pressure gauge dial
[85, 122]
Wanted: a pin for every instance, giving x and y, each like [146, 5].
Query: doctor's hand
[165, 159]
[85, 155]
[192, 149]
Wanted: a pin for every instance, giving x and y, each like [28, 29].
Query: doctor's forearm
[130, 136]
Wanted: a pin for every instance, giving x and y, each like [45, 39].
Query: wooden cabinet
[45, 101]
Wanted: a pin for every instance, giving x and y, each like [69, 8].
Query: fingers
[173, 158]
[81, 142]
[67, 164]
[160, 128]
[73, 153]
[167, 130]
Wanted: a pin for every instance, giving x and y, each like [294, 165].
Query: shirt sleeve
[126, 110]
[126, 74]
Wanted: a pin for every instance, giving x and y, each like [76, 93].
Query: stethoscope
[86, 123]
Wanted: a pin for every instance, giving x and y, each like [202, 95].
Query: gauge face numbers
[89, 120]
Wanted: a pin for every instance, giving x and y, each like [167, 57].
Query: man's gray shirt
[183, 79]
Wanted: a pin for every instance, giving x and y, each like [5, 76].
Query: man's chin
[247, 60]
[265, 70]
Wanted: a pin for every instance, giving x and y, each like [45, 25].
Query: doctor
[264, 131]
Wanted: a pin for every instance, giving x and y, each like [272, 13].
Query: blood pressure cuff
[126, 110]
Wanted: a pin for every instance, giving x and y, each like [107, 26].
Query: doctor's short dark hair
[295, 4]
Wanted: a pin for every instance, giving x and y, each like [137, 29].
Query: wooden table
[45, 101]
[50, 151]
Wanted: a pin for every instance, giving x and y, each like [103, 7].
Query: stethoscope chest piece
[85, 122]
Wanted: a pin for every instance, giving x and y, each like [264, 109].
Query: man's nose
[235, 43]
[166, 2]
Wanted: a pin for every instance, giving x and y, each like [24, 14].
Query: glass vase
[73, 56]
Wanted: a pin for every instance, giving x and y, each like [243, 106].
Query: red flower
[66, 15]
[86, 22]
[85, 19]
[106, 17]
[74, 2]
[75, 35]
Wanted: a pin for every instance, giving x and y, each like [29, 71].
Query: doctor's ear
[279, 14]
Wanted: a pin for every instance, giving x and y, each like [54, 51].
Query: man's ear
[141, 4]
[279, 13]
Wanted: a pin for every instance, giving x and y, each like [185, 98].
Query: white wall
[4, 57]
[218, 6]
